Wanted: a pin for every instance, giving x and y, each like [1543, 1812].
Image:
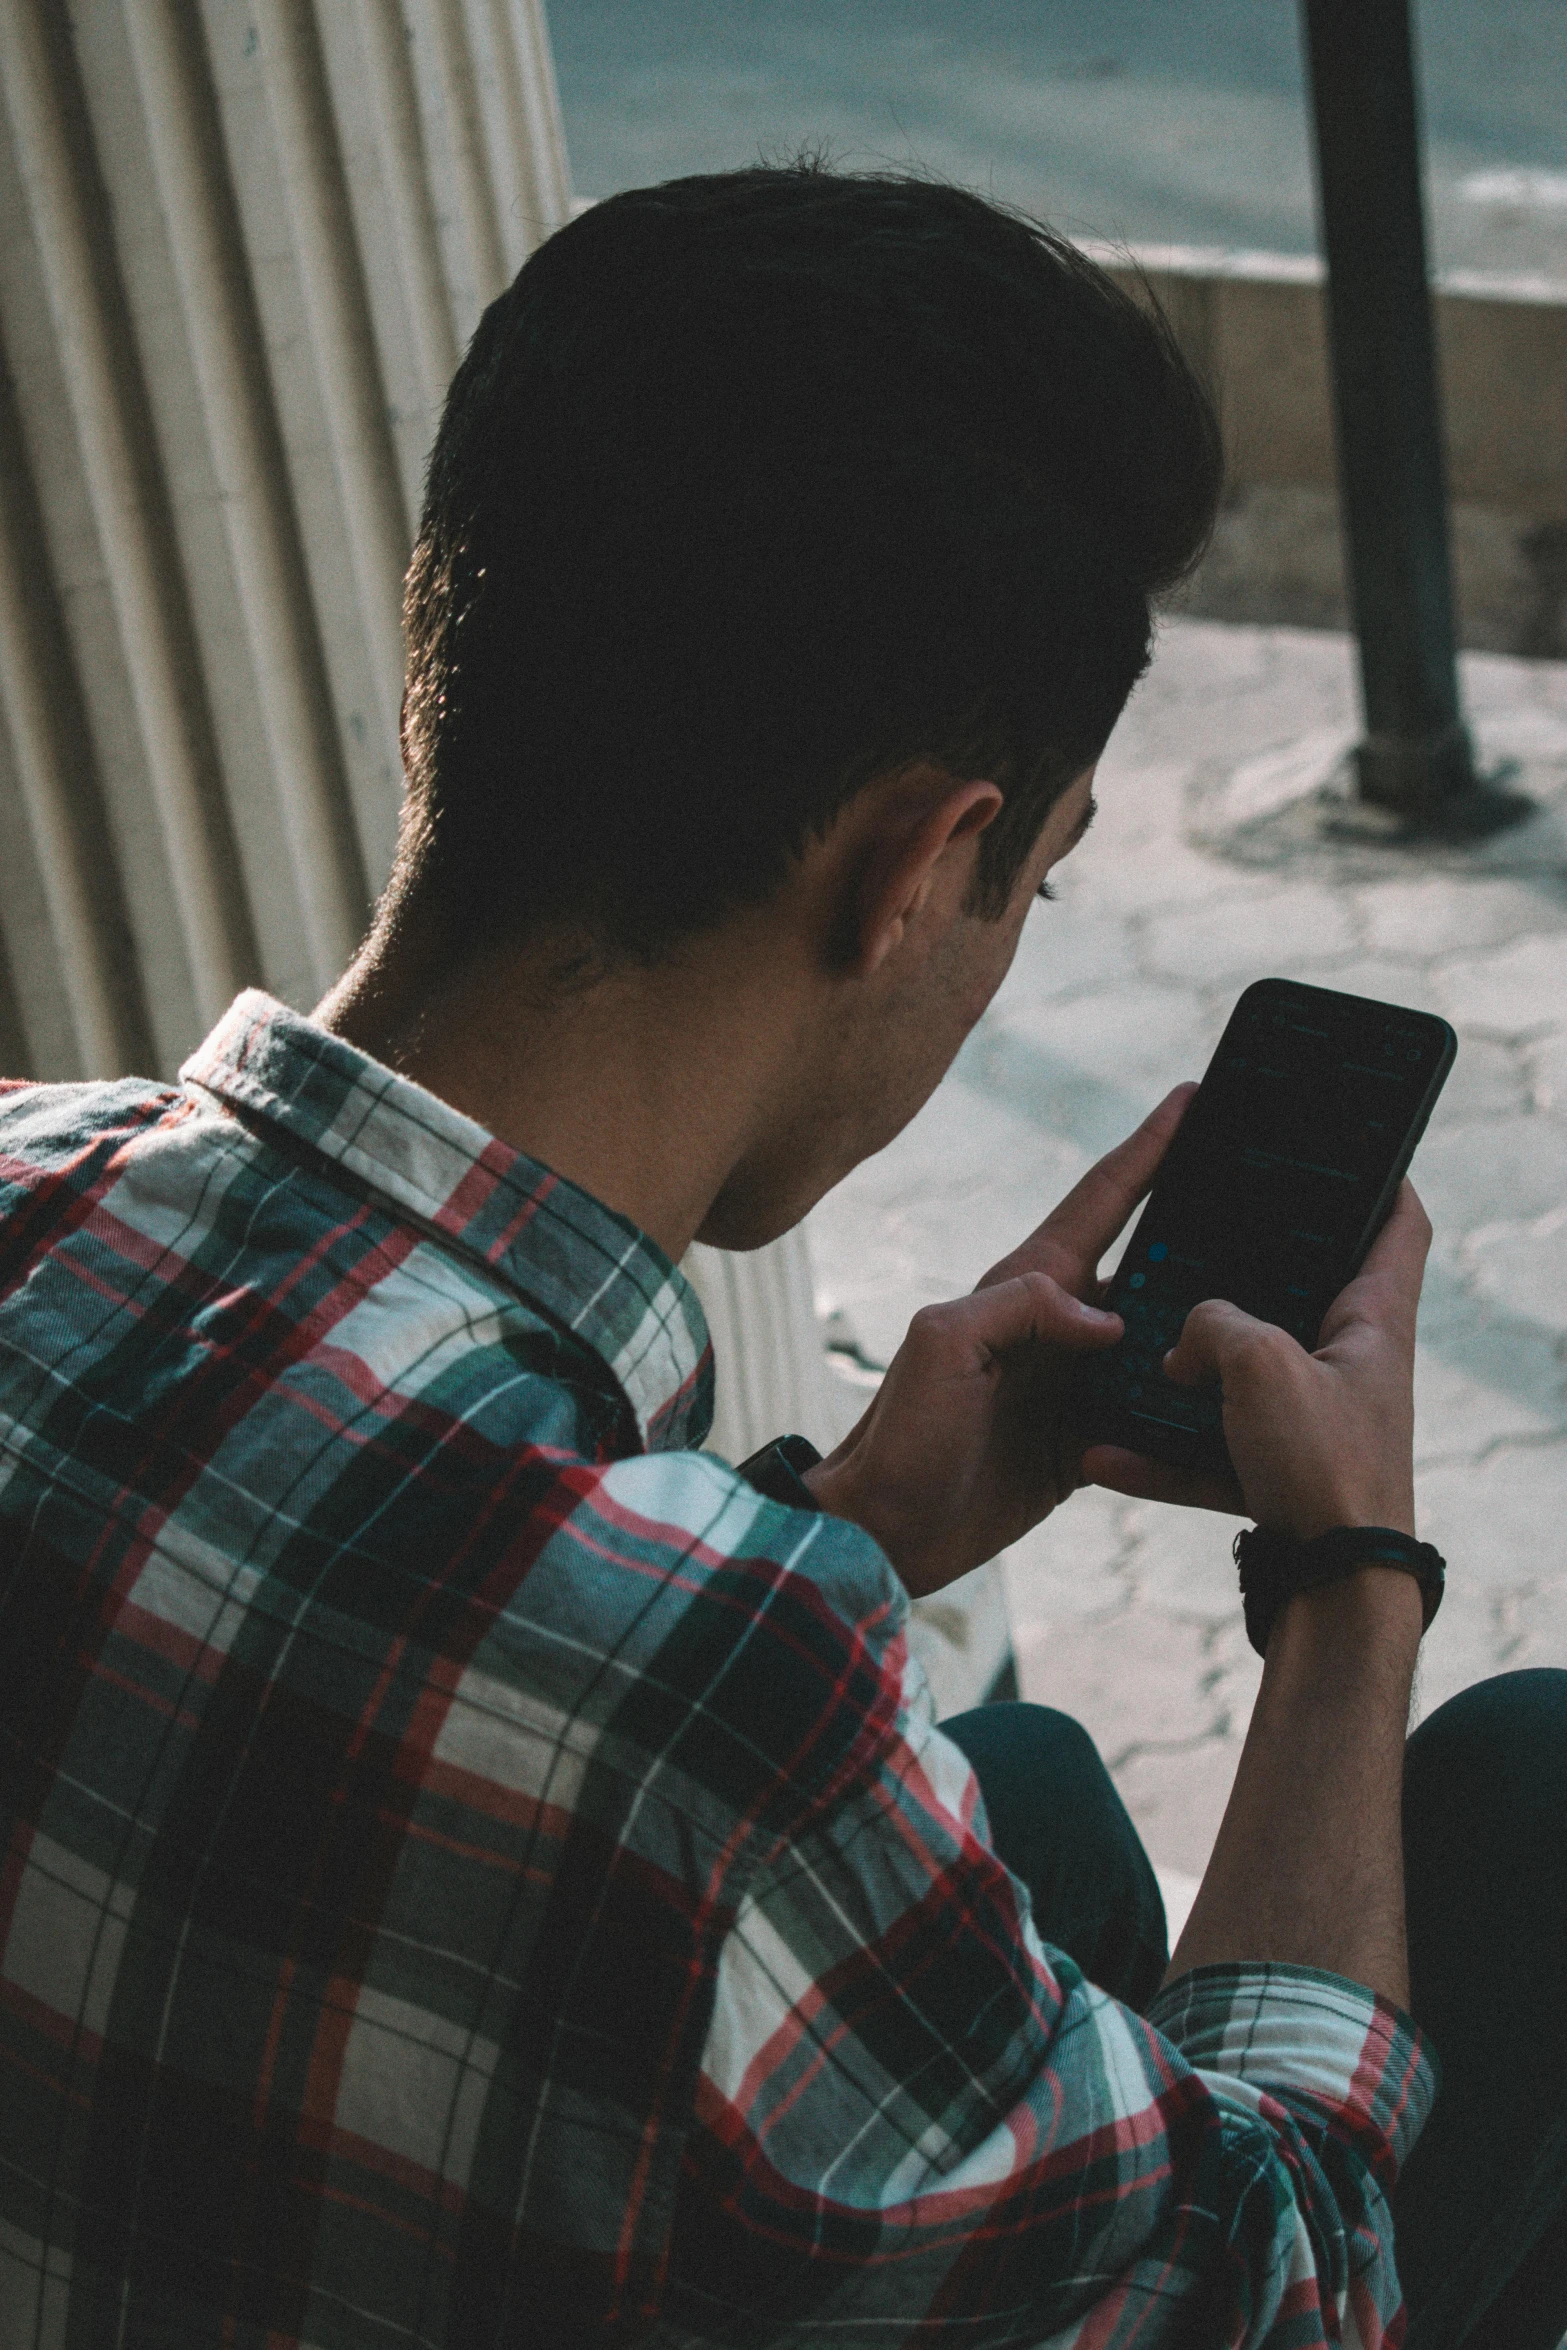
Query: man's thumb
[1216, 1341]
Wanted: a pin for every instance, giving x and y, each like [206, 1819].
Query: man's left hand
[966, 1444]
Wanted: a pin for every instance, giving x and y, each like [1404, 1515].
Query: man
[481, 1872]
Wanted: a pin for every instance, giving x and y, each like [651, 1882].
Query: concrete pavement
[1206, 870]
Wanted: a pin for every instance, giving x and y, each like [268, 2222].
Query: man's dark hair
[750, 488]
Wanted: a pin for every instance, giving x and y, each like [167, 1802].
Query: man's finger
[1148, 1480]
[1077, 1233]
[1008, 1314]
[1386, 1290]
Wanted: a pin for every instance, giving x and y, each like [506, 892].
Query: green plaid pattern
[476, 1874]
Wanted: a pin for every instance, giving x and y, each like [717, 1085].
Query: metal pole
[1415, 759]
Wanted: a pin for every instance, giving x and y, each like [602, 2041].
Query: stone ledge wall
[1253, 325]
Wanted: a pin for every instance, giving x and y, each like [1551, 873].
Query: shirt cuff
[1299, 2032]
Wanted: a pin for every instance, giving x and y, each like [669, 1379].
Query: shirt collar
[586, 1267]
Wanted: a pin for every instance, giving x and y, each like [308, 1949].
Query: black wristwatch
[777, 1470]
[1273, 1568]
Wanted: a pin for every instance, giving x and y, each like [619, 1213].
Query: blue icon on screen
[1158, 1252]
[1137, 1281]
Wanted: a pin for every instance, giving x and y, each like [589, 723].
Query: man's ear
[906, 863]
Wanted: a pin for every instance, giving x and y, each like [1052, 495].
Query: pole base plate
[1392, 790]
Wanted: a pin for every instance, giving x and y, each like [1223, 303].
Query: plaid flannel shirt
[475, 1873]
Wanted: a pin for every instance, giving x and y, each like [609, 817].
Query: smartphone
[1280, 1176]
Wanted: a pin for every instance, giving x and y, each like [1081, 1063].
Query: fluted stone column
[240, 251]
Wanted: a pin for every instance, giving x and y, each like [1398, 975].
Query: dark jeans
[1481, 2210]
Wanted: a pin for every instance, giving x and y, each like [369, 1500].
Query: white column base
[773, 1378]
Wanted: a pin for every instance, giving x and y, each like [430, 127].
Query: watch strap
[1273, 1568]
[777, 1471]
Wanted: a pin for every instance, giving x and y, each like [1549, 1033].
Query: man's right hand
[1307, 1869]
[1318, 1440]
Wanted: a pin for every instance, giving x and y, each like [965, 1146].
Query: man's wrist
[1376, 1611]
[1400, 1516]
[826, 1488]
[835, 1491]
[1276, 1567]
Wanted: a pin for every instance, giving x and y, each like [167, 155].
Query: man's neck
[643, 1085]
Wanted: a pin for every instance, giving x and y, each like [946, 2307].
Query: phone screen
[1283, 1170]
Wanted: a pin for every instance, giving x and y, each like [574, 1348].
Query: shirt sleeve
[912, 2113]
